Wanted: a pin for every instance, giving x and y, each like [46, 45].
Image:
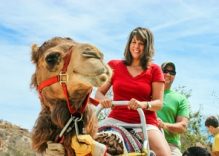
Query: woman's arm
[157, 96]
[100, 95]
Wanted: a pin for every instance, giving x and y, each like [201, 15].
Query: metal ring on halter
[76, 124]
[79, 119]
[63, 77]
[72, 118]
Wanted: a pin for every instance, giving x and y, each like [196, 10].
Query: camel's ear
[35, 53]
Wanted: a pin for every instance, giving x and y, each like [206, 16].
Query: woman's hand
[106, 103]
[135, 104]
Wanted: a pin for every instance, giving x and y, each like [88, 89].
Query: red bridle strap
[48, 82]
[95, 102]
[62, 78]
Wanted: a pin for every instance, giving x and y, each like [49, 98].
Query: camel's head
[84, 69]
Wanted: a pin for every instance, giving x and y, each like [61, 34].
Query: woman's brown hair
[146, 36]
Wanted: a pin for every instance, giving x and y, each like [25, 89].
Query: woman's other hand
[106, 103]
[134, 104]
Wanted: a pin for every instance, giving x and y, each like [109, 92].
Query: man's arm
[178, 127]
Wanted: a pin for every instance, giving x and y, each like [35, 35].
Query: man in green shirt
[173, 117]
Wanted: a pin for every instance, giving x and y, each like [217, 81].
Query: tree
[193, 135]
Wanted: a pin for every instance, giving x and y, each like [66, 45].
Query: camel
[64, 76]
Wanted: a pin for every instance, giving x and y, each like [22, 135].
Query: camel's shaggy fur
[86, 69]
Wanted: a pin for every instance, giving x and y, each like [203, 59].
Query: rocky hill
[14, 141]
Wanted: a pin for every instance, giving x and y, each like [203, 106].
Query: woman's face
[136, 48]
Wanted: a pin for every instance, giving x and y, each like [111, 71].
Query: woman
[141, 82]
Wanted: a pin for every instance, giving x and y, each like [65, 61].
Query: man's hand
[161, 124]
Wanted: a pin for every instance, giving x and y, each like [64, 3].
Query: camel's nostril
[103, 78]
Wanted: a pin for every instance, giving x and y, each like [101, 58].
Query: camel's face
[85, 69]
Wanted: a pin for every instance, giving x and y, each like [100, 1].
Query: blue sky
[186, 32]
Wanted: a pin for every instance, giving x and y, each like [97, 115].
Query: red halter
[62, 78]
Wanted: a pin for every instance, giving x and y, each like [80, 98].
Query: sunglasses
[171, 72]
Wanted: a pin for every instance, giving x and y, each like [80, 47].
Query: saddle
[119, 140]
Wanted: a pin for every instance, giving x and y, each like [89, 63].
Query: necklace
[134, 70]
[135, 67]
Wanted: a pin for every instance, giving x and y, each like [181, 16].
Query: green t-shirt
[174, 104]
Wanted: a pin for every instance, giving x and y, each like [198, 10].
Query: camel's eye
[53, 59]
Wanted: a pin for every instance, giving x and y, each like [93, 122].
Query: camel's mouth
[91, 74]
[95, 78]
